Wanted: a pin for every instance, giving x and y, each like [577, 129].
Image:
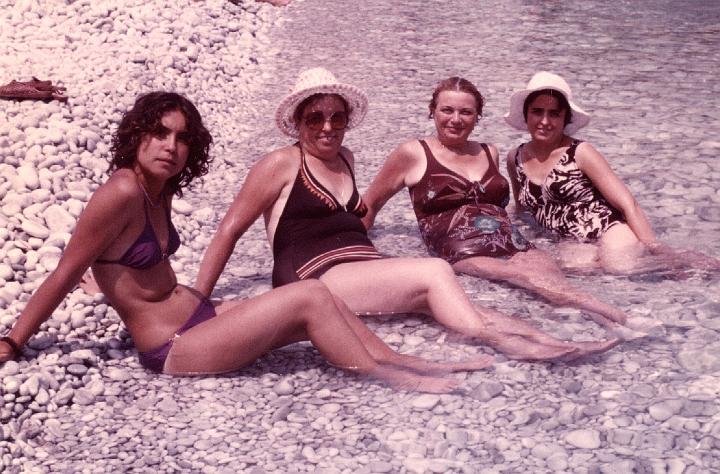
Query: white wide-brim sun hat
[541, 81]
[319, 80]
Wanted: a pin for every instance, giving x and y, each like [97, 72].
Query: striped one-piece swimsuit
[316, 232]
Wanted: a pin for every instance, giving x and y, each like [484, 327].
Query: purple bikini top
[146, 252]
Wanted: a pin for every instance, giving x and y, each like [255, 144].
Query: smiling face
[455, 116]
[546, 119]
[322, 140]
[163, 153]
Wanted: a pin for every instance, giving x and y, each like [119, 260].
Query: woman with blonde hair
[459, 198]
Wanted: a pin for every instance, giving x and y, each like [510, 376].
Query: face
[455, 116]
[320, 126]
[545, 119]
[163, 154]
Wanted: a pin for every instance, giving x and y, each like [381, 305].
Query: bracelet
[13, 345]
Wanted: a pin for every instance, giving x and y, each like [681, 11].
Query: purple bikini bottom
[154, 360]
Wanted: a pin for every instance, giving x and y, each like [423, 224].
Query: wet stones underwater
[79, 401]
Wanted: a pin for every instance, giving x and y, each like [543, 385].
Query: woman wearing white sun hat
[459, 199]
[312, 209]
[571, 190]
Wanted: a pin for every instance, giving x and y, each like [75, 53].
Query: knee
[313, 295]
[437, 267]
[434, 273]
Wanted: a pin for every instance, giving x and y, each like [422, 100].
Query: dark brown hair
[562, 101]
[145, 117]
[457, 84]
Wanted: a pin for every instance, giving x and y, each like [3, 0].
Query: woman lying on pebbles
[459, 198]
[312, 210]
[570, 189]
[125, 234]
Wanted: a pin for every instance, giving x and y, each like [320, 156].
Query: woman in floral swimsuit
[571, 190]
[459, 198]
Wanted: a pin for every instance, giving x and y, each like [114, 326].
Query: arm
[258, 193]
[594, 165]
[397, 172]
[103, 219]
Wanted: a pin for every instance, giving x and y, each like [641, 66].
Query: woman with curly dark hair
[126, 236]
[146, 117]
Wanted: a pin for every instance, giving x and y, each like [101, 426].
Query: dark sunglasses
[316, 120]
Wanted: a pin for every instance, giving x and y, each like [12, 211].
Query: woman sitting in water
[571, 190]
[459, 198]
[312, 209]
[126, 235]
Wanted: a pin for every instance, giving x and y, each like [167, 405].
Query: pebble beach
[78, 400]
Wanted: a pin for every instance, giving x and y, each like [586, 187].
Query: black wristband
[13, 345]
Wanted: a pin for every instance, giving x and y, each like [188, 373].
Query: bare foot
[88, 284]
[626, 334]
[519, 348]
[427, 367]
[610, 312]
[585, 349]
[408, 381]
[638, 327]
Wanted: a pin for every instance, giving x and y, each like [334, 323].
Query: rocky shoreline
[78, 400]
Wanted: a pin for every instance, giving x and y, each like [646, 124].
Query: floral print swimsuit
[459, 218]
[567, 202]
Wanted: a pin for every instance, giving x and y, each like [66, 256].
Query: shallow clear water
[646, 74]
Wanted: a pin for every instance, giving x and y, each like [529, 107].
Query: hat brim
[516, 119]
[355, 97]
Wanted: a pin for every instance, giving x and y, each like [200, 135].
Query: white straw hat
[540, 81]
[319, 81]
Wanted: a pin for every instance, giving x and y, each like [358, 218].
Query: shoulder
[583, 147]
[283, 162]
[584, 151]
[590, 161]
[406, 159]
[512, 155]
[481, 146]
[115, 201]
[122, 187]
[410, 151]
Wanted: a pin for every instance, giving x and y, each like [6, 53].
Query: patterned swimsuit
[567, 202]
[459, 218]
[316, 232]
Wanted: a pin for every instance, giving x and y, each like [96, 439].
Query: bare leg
[536, 271]
[306, 310]
[429, 285]
[620, 252]
[383, 354]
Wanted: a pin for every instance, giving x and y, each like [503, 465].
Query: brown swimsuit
[459, 218]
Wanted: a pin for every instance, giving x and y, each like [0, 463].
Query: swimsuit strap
[491, 163]
[321, 187]
[517, 155]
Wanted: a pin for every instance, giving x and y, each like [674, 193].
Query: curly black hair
[145, 117]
